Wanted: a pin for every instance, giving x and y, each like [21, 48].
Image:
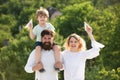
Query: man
[47, 58]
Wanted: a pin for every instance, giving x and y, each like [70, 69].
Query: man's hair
[42, 11]
[47, 32]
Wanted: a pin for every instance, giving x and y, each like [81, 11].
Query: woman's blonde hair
[82, 44]
[42, 11]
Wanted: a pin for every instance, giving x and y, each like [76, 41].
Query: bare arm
[94, 42]
[32, 36]
[89, 32]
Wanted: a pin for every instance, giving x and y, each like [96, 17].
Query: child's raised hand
[29, 24]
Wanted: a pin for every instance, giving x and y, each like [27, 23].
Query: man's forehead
[47, 36]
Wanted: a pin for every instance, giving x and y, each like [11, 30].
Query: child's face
[73, 44]
[42, 19]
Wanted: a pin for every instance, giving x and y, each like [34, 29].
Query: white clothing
[74, 62]
[38, 29]
[48, 60]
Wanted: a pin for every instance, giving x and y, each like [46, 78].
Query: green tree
[14, 56]
[112, 51]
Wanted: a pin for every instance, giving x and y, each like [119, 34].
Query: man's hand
[38, 66]
[88, 29]
[58, 65]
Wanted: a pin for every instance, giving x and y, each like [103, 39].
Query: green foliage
[102, 15]
[113, 47]
[14, 57]
[72, 18]
[95, 73]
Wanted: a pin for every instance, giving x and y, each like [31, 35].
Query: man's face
[47, 42]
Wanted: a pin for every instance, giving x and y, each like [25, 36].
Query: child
[75, 55]
[42, 16]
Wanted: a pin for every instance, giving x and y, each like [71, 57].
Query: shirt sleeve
[30, 62]
[51, 27]
[94, 51]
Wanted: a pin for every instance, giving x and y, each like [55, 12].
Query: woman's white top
[48, 60]
[74, 62]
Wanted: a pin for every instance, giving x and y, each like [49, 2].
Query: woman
[75, 55]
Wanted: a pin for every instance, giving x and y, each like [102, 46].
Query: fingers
[38, 66]
[58, 65]
[88, 29]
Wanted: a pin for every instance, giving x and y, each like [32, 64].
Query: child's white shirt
[38, 29]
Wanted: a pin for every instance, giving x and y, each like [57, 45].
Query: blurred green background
[68, 17]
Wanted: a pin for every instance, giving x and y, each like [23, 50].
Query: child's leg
[38, 57]
[56, 49]
[38, 54]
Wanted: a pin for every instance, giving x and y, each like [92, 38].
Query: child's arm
[32, 36]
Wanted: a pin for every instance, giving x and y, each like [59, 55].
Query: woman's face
[73, 44]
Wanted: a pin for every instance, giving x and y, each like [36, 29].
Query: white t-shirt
[74, 62]
[38, 29]
[48, 60]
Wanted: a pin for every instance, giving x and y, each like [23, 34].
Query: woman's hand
[88, 29]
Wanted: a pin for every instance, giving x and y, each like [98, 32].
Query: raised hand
[29, 24]
[88, 29]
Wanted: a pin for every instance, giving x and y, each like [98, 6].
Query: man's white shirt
[48, 60]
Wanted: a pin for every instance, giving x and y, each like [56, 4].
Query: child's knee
[38, 47]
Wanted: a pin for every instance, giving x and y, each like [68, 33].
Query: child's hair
[42, 11]
[82, 44]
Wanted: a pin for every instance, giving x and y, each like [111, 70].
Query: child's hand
[30, 26]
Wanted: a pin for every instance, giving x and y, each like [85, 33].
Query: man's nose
[47, 40]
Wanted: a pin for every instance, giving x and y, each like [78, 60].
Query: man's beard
[47, 46]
